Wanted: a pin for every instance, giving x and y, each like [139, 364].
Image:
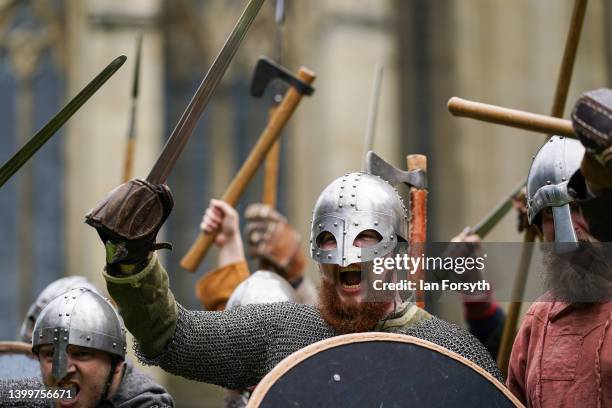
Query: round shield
[17, 361]
[379, 370]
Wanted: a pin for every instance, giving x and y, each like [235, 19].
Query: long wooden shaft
[507, 340]
[130, 148]
[418, 222]
[271, 168]
[198, 250]
[511, 117]
[128, 163]
[558, 106]
[569, 57]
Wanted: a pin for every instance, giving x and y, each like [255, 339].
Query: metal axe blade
[376, 165]
[267, 70]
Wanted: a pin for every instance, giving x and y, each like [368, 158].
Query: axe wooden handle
[270, 184]
[511, 117]
[292, 98]
[418, 221]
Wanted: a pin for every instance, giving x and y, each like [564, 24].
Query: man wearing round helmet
[357, 217]
[561, 355]
[80, 343]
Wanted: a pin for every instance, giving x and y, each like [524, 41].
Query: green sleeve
[147, 306]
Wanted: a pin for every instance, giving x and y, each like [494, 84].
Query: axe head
[377, 166]
[267, 70]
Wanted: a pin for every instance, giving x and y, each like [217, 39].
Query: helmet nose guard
[547, 186]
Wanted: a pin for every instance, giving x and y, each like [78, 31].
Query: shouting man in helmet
[561, 355]
[80, 342]
[357, 218]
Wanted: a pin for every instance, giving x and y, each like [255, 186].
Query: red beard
[348, 318]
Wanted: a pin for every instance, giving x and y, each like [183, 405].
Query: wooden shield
[17, 361]
[379, 370]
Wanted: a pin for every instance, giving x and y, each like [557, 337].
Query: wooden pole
[200, 247]
[271, 169]
[128, 163]
[511, 117]
[417, 235]
[558, 106]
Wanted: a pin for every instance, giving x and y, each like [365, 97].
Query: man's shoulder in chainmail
[236, 348]
[455, 339]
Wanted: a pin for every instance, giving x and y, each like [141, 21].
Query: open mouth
[350, 277]
[74, 393]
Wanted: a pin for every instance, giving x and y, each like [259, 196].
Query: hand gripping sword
[24, 154]
[184, 128]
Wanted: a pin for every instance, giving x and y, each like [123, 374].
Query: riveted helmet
[262, 287]
[79, 317]
[350, 205]
[53, 290]
[547, 183]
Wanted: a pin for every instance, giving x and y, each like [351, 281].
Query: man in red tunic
[562, 355]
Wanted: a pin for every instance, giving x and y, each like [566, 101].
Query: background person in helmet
[80, 342]
[561, 355]
[236, 348]
[270, 240]
[231, 284]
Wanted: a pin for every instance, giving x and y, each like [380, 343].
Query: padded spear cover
[379, 370]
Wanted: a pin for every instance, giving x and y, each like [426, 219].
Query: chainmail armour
[21, 384]
[237, 348]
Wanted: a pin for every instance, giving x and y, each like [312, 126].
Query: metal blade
[485, 225]
[565, 236]
[184, 128]
[279, 12]
[374, 164]
[373, 112]
[43, 135]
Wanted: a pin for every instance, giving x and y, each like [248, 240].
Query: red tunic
[562, 356]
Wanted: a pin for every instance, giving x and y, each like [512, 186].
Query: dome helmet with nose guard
[350, 205]
[547, 186]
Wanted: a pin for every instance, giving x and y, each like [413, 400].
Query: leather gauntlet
[130, 217]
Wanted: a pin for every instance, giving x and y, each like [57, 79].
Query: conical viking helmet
[79, 317]
[351, 204]
[553, 166]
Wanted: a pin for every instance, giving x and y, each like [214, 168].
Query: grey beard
[583, 276]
